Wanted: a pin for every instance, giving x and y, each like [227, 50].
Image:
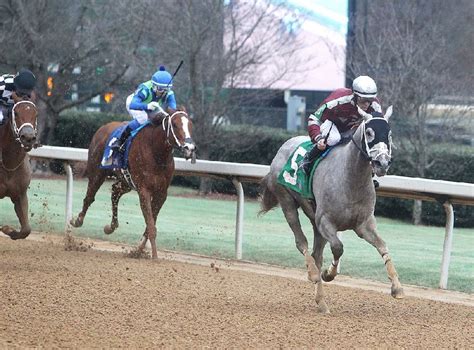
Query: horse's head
[377, 140]
[24, 123]
[180, 126]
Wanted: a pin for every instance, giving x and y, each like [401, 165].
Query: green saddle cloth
[292, 175]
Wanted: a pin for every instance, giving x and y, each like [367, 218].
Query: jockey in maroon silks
[338, 114]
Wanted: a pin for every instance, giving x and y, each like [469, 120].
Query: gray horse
[344, 198]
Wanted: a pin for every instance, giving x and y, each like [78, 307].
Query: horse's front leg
[146, 206]
[368, 231]
[21, 209]
[329, 232]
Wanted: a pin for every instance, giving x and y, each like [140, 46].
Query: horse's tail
[269, 200]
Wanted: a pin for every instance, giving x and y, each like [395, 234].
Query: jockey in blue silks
[152, 96]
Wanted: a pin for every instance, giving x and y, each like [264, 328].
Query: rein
[366, 153]
[169, 128]
[11, 169]
[16, 134]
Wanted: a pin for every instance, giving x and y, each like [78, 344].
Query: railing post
[239, 218]
[448, 243]
[68, 195]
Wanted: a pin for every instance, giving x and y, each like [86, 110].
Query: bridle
[366, 152]
[167, 126]
[15, 128]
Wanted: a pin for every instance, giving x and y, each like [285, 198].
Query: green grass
[207, 226]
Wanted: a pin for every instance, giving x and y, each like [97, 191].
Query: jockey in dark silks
[338, 114]
[22, 84]
[155, 96]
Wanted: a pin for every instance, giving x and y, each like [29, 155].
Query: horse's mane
[156, 120]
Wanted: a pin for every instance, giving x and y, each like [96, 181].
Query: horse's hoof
[16, 234]
[313, 273]
[76, 222]
[398, 293]
[313, 276]
[108, 229]
[323, 308]
[326, 277]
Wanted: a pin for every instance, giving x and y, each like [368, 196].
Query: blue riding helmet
[162, 79]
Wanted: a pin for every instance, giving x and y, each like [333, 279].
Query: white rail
[445, 192]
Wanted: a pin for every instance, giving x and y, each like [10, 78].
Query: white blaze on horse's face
[188, 141]
[182, 135]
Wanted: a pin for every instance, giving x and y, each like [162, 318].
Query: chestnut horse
[150, 164]
[17, 137]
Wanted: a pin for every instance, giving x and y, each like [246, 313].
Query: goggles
[160, 89]
[366, 99]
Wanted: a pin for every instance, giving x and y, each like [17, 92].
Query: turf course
[207, 226]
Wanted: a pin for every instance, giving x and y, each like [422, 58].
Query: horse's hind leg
[290, 210]
[92, 187]
[118, 190]
[368, 232]
[21, 210]
[318, 248]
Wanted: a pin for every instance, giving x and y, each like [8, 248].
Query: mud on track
[50, 297]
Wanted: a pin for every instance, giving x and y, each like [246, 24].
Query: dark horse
[151, 167]
[17, 137]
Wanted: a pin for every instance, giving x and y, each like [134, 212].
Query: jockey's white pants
[139, 116]
[3, 114]
[331, 128]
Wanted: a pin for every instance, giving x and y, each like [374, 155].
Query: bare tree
[416, 51]
[85, 47]
[226, 45]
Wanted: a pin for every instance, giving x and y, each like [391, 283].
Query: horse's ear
[388, 113]
[170, 111]
[33, 96]
[182, 108]
[15, 97]
[363, 114]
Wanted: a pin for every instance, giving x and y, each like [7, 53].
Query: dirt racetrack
[52, 298]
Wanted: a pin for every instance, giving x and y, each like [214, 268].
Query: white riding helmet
[364, 86]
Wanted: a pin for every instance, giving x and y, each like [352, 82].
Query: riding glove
[153, 105]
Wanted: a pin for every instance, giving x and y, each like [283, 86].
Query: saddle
[118, 160]
[293, 176]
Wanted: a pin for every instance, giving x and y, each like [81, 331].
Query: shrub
[258, 145]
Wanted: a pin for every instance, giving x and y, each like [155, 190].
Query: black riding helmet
[24, 81]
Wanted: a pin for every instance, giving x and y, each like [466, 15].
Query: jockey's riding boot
[118, 144]
[309, 158]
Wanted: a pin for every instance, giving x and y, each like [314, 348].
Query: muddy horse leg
[21, 209]
[92, 187]
[157, 203]
[150, 231]
[118, 190]
[368, 232]
[318, 248]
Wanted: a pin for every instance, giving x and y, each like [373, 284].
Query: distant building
[317, 68]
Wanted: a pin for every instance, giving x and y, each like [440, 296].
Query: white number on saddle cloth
[291, 179]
